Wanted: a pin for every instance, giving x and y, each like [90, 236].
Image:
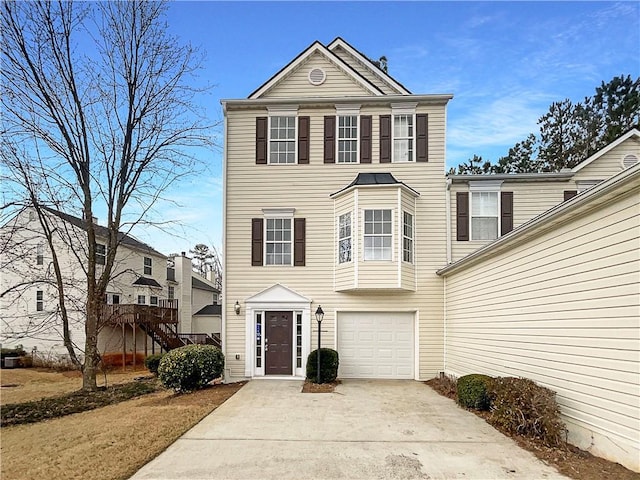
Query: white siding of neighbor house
[251, 187]
[610, 163]
[337, 83]
[562, 309]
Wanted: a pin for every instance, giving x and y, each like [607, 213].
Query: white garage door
[376, 345]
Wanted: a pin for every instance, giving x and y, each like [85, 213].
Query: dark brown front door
[278, 336]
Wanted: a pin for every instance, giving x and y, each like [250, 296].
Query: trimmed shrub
[472, 391]
[328, 365]
[190, 367]
[520, 406]
[152, 362]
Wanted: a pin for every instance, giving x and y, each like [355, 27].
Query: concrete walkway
[364, 430]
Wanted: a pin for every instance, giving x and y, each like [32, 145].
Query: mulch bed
[310, 387]
[568, 459]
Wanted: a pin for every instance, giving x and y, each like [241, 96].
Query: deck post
[135, 344]
[124, 347]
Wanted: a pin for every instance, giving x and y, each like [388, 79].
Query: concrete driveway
[364, 430]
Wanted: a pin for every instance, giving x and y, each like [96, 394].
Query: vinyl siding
[562, 309]
[251, 187]
[337, 83]
[364, 71]
[610, 163]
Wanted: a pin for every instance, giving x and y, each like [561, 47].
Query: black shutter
[303, 140]
[462, 216]
[261, 140]
[365, 138]
[422, 143]
[506, 212]
[569, 194]
[330, 139]
[299, 235]
[257, 226]
[385, 138]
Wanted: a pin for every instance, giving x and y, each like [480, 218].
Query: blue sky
[504, 62]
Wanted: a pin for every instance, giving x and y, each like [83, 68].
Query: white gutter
[223, 333]
[448, 217]
[436, 99]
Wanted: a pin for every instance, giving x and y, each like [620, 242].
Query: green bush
[520, 406]
[152, 362]
[190, 367]
[328, 365]
[472, 391]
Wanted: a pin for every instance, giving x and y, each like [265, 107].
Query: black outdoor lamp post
[319, 317]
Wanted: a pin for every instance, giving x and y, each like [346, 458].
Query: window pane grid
[278, 242]
[348, 139]
[344, 238]
[377, 235]
[298, 340]
[407, 239]
[258, 340]
[403, 138]
[282, 136]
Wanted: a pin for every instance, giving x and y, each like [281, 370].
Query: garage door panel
[376, 345]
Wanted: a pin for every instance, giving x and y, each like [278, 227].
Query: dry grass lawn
[108, 443]
[27, 384]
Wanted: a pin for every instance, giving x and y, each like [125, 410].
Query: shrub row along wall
[559, 305]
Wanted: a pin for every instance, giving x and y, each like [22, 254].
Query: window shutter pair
[421, 138]
[262, 139]
[330, 138]
[462, 214]
[257, 242]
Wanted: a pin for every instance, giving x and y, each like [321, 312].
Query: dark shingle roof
[374, 179]
[150, 282]
[210, 310]
[103, 232]
[199, 284]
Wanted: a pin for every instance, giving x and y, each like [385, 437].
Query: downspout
[448, 215]
[223, 327]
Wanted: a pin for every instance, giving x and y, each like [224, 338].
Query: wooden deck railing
[131, 313]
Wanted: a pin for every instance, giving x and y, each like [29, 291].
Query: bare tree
[98, 114]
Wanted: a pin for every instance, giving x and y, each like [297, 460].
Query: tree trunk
[92, 358]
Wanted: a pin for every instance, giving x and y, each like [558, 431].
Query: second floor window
[344, 238]
[153, 300]
[147, 266]
[171, 292]
[378, 236]
[403, 138]
[278, 241]
[40, 254]
[101, 254]
[407, 238]
[348, 139]
[282, 140]
[484, 215]
[142, 300]
[39, 301]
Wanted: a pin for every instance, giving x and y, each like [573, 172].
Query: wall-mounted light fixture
[236, 307]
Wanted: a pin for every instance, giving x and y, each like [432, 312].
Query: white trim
[416, 345]
[498, 212]
[347, 109]
[317, 82]
[404, 108]
[399, 227]
[491, 186]
[291, 242]
[404, 112]
[393, 243]
[357, 139]
[628, 155]
[282, 110]
[370, 66]
[223, 317]
[356, 244]
[632, 133]
[284, 212]
[332, 57]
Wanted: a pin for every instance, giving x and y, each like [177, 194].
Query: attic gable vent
[629, 160]
[317, 76]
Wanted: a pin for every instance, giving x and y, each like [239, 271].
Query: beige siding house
[557, 301]
[335, 196]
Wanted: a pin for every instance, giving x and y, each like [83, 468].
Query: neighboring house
[335, 195]
[138, 302]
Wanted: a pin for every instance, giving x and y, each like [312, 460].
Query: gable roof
[103, 232]
[277, 293]
[313, 48]
[209, 310]
[384, 76]
[631, 133]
